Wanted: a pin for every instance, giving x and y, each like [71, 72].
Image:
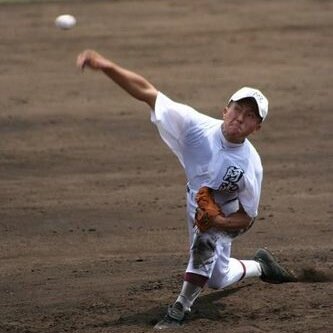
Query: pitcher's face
[240, 120]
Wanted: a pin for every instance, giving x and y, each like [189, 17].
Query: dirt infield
[92, 207]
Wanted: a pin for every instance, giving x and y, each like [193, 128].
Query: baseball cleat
[173, 318]
[272, 272]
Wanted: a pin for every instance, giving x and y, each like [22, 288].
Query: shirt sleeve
[250, 196]
[172, 121]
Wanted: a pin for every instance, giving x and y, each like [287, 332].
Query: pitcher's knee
[214, 284]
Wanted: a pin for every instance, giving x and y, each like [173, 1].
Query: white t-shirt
[233, 171]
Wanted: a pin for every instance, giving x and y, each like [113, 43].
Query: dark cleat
[272, 272]
[173, 318]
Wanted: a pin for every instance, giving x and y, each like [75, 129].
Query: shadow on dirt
[206, 307]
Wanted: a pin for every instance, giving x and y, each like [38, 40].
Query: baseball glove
[207, 209]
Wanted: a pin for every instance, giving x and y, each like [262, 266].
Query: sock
[252, 268]
[188, 295]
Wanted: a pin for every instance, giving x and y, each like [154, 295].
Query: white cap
[261, 100]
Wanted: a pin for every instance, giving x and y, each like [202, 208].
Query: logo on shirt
[231, 178]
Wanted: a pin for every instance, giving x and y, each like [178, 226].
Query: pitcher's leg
[230, 270]
[237, 270]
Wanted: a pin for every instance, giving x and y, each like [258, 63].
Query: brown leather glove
[207, 209]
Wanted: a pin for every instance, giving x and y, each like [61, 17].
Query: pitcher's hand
[91, 59]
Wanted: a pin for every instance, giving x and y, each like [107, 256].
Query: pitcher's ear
[224, 111]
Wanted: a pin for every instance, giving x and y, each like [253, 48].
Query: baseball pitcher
[224, 175]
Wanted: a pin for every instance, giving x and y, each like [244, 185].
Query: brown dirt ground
[92, 231]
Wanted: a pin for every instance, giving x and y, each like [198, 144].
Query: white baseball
[65, 21]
